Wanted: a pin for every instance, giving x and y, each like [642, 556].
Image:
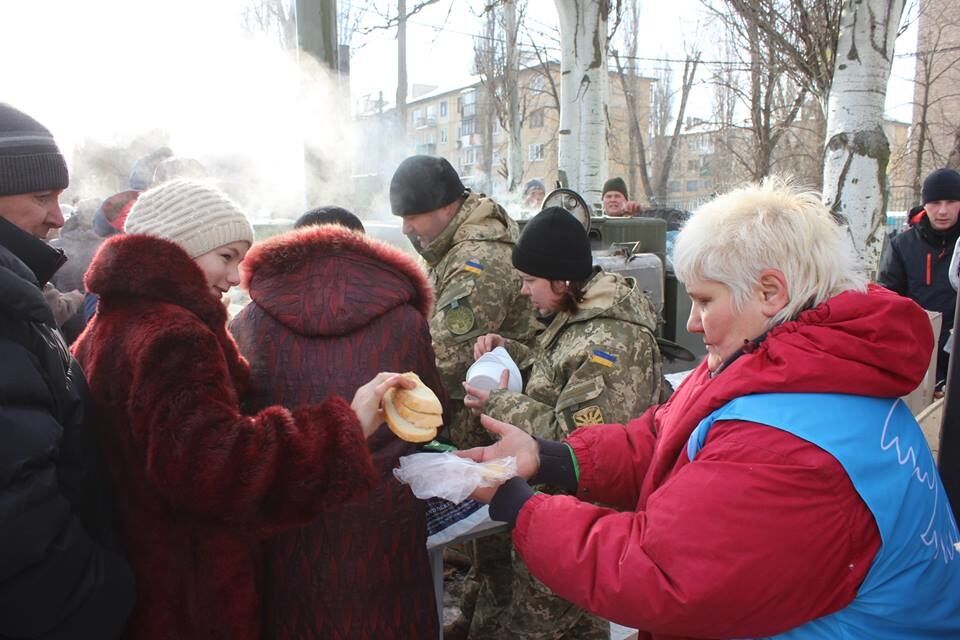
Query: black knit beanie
[424, 183]
[942, 184]
[554, 245]
[29, 158]
[615, 184]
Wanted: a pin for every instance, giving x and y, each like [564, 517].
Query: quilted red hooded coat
[332, 308]
[198, 484]
[762, 533]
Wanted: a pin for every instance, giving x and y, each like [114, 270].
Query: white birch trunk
[856, 150]
[514, 144]
[582, 144]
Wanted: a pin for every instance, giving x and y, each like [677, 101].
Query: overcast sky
[107, 68]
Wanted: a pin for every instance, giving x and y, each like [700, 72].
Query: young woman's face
[222, 266]
[544, 299]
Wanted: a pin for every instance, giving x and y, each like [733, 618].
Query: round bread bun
[402, 410]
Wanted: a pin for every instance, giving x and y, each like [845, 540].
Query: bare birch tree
[936, 117]
[857, 151]
[582, 140]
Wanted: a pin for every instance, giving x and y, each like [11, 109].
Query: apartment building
[461, 124]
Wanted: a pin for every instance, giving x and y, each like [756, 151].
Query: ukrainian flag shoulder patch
[603, 358]
[473, 266]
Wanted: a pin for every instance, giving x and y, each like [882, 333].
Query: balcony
[429, 149]
[424, 122]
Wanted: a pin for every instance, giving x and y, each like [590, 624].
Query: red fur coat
[198, 484]
[331, 308]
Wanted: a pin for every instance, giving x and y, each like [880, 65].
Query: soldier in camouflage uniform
[466, 240]
[597, 362]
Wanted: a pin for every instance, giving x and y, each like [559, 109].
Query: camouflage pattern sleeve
[536, 418]
[475, 290]
[519, 352]
[609, 373]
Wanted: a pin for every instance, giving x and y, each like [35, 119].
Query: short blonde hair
[771, 225]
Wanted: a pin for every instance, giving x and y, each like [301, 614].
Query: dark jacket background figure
[917, 266]
[60, 573]
[330, 309]
[198, 484]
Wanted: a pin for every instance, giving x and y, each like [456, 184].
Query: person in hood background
[330, 307]
[784, 490]
[107, 222]
[61, 571]
[596, 362]
[917, 264]
[199, 483]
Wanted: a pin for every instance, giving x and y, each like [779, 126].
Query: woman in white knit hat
[198, 483]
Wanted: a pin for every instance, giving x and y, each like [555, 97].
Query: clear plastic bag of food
[447, 476]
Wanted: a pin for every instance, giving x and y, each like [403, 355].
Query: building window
[467, 158]
[673, 186]
[693, 185]
[693, 165]
[418, 117]
[537, 82]
[467, 127]
[535, 152]
[536, 119]
[443, 135]
[443, 109]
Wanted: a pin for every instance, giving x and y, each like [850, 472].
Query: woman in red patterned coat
[330, 306]
[199, 484]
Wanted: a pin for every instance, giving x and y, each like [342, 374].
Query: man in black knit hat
[917, 263]
[616, 202]
[62, 575]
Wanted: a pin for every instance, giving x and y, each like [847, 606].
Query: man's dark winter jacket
[332, 308]
[60, 574]
[916, 265]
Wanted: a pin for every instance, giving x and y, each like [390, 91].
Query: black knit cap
[942, 184]
[424, 183]
[29, 158]
[554, 245]
[615, 184]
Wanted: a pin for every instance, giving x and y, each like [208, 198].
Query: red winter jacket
[198, 484]
[765, 531]
[331, 309]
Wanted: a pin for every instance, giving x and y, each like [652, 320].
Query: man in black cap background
[616, 202]
[62, 576]
[917, 262]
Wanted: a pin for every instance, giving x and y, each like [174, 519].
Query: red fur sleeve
[276, 468]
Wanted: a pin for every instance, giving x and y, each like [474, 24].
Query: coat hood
[148, 267]
[608, 295]
[479, 219]
[328, 280]
[876, 344]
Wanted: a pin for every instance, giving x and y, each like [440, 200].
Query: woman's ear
[774, 294]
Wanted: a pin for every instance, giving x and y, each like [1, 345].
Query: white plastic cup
[486, 371]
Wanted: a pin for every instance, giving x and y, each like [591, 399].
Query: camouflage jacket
[598, 365]
[477, 292]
